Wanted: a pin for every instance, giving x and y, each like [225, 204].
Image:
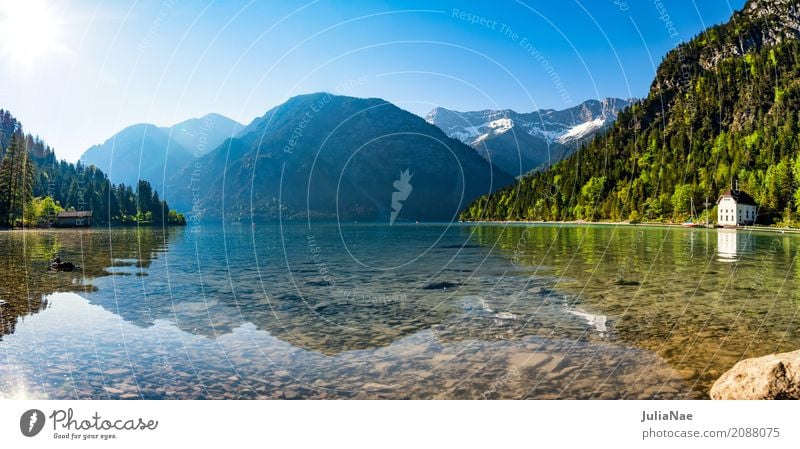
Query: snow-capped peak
[563, 127]
[536, 137]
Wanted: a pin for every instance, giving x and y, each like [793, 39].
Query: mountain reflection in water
[467, 311]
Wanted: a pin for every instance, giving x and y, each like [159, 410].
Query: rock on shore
[775, 376]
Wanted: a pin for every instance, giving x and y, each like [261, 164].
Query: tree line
[35, 186]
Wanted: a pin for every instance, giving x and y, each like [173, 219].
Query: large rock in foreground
[775, 376]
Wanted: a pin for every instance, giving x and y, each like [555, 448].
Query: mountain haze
[153, 153]
[201, 135]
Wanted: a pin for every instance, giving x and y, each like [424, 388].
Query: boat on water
[691, 223]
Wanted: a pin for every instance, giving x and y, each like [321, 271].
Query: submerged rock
[322, 283]
[623, 281]
[57, 265]
[775, 376]
[440, 286]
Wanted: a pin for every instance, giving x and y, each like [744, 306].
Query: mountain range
[300, 158]
[153, 153]
[323, 156]
[721, 111]
[521, 142]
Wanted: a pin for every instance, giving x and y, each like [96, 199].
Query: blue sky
[101, 66]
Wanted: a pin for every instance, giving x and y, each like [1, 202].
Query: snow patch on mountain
[583, 130]
[538, 130]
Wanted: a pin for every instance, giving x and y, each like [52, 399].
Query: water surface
[403, 311]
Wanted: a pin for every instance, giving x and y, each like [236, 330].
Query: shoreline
[779, 230]
[91, 228]
[767, 229]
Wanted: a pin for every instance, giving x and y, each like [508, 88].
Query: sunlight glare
[29, 32]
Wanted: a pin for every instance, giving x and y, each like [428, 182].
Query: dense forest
[35, 186]
[723, 112]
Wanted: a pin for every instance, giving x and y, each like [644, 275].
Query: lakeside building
[74, 219]
[736, 208]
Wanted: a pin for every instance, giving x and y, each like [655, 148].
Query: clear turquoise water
[407, 311]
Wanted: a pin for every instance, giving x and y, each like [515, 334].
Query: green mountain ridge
[722, 111]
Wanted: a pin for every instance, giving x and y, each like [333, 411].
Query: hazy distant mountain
[201, 135]
[141, 151]
[154, 153]
[520, 142]
[325, 156]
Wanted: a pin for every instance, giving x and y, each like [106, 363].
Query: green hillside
[722, 111]
[35, 186]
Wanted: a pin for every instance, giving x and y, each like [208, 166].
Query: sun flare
[29, 32]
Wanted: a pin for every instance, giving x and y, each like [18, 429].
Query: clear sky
[77, 71]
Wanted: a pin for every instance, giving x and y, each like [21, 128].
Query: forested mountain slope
[35, 185]
[326, 157]
[722, 111]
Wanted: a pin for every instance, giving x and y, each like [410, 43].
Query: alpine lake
[414, 311]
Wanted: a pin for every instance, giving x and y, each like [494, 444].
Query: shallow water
[407, 311]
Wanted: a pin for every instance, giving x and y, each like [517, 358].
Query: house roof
[739, 196]
[74, 214]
